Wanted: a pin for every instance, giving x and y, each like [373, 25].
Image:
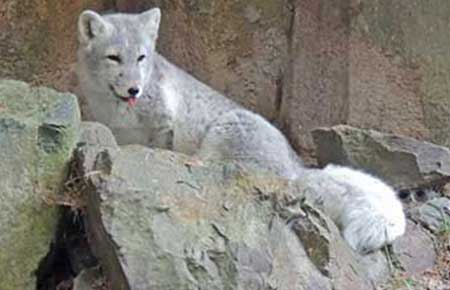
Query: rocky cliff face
[300, 63]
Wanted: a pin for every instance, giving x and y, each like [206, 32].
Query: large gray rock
[38, 130]
[401, 161]
[158, 221]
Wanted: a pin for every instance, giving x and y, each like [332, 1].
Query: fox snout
[128, 94]
[130, 91]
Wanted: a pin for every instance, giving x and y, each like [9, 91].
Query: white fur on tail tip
[367, 210]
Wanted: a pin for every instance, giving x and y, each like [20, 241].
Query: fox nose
[133, 91]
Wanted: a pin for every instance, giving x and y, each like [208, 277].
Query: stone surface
[315, 92]
[402, 40]
[403, 162]
[434, 215]
[96, 134]
[376, 267]
[38, 40]
[38, 130]
[89, 279]
[372, 64]
[158, 222]
[415, 250]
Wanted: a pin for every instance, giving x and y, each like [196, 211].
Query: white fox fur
[366, 209]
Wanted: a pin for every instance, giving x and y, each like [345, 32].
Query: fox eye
[114, 58]
[141, 58]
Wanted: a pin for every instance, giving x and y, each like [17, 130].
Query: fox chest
[187, 136]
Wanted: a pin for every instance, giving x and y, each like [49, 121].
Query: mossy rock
[38, 131]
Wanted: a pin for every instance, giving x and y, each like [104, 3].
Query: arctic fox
[145, 99]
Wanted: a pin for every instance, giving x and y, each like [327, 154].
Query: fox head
[116, 51]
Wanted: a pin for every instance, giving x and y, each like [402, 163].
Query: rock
[369, 64]
[415, 250]
[434, 215]
[330, 254]
[315, 87]
[401, 161]
[396, 75]
[25, 56]
[96, 134]
[38, 131]
[89, 279]
[156, 221]
[376, 267]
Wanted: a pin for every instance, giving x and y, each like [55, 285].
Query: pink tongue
[132, 101]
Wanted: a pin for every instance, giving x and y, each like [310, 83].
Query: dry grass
[73, 190]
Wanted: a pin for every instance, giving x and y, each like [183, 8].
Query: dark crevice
[345, 108]
[278, 97]
[69, 254]
[50, 138]
[284, 92]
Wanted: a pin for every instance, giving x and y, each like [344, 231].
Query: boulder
[38, 131]
[401, 161]
[159, 220]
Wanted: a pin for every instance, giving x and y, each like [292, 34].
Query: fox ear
[151, 19]
[91, 25]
